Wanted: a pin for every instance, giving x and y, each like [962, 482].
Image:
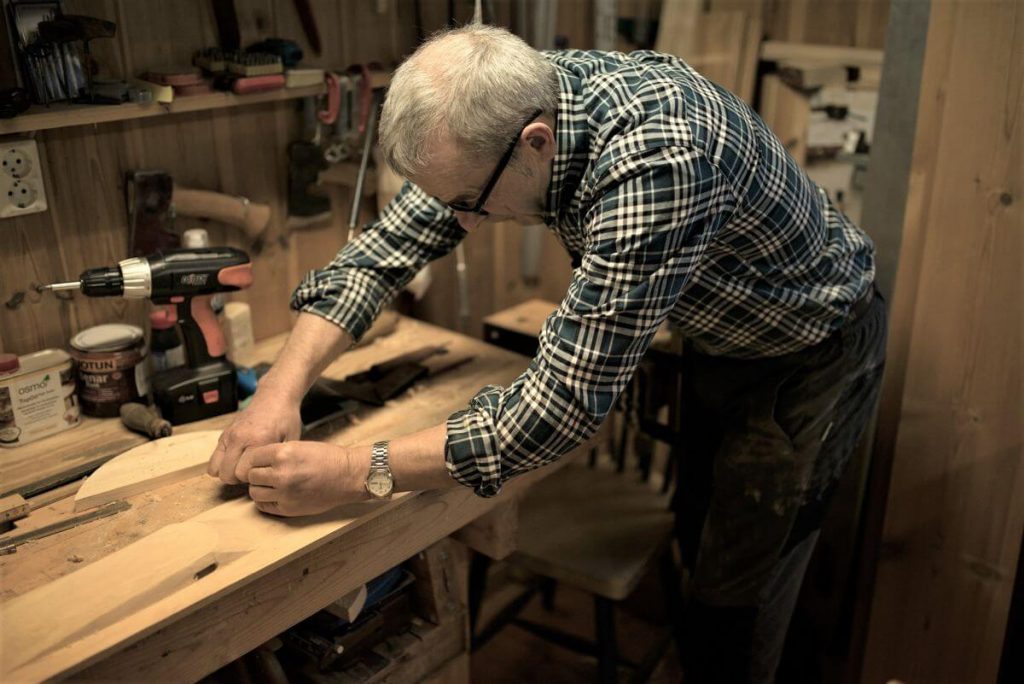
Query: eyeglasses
[478, 207]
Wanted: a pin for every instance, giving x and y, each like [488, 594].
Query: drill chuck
[102, 282]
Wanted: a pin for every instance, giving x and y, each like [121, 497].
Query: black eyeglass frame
[478, 207]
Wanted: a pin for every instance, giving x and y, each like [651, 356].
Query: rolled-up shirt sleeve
[654, 216]
[413, 229]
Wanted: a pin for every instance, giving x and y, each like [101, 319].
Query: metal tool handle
[371, 130]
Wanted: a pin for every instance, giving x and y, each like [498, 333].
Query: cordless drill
[187, 278]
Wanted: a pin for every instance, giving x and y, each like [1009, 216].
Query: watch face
[379, 483]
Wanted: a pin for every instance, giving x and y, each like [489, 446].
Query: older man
[676, 203]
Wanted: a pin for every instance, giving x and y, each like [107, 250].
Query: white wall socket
[21, 179]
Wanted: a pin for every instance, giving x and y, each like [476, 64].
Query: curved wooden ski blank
[148, 466]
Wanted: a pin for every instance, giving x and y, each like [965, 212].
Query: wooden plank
[13, 507]
[39, 118]
[953, 388]
[749, 57]
[275, 540]
[293, 584]
[787, 112]
[526, 318]
[495, 534]
[722, 44]
[148, 466]
[597, 510]
[102, 593]
[860, 23]
[779, 51]
[95, 441]
[11, 541]
[56, 494]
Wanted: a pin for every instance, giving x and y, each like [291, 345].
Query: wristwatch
[380, 482]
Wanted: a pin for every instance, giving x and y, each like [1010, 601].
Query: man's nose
[469, 220]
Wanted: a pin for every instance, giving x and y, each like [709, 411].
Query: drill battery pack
[185, 395]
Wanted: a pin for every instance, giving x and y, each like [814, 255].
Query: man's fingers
[232, 453]
[254, 457]
[261, 494]
[269, 507]
[263, 475]
[213, 466]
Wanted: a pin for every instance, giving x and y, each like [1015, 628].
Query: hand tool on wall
[305, 162]
[364, 162]
[332, 100]
[339, 149]
[187, 278]
[227, 24]
[153, 200]
[305, 12]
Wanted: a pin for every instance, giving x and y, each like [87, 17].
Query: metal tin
[112, 369]
[38, 398]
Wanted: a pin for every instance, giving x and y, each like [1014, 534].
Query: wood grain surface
[950, 417]
[268, 542]
[148, 466]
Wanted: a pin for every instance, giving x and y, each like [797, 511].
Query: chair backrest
[649, 411]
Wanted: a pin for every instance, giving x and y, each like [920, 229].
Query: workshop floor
[514, 655]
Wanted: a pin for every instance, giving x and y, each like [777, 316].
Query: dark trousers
[765, 442]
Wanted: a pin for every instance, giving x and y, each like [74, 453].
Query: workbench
[286, 569]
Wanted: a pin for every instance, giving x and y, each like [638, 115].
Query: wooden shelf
[39, 118]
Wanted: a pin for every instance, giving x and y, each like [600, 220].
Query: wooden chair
[599, 527]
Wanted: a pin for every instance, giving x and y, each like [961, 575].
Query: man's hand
[268, 420]
[273, 415]
[303, 478]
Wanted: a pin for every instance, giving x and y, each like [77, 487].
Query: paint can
[37, 396]
[112, 368]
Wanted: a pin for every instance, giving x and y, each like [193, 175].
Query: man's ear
[541, 138]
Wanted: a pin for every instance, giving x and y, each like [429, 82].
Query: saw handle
[251, 217]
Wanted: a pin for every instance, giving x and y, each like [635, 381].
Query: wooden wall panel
[240, 151]
[950, 417]
[857, 23]
[243, 150]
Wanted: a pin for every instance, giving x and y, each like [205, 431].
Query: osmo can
[112, 369]
[37, 396]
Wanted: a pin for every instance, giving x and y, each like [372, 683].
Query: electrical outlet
[21, 180]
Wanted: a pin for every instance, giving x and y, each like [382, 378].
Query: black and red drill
[188, 279]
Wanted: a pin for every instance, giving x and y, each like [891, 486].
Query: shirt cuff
[472, 454]
[321, 293]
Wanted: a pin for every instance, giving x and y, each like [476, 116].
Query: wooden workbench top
[397, 526]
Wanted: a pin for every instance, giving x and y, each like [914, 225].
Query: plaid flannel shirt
[676, 202]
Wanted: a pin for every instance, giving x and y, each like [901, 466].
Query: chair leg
[670, 585]
[478, 567]
[607, 657]
[620, 454]
[547, 593]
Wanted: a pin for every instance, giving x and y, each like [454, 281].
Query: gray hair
[480, 94]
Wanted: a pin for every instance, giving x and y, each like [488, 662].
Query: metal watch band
[379, 456]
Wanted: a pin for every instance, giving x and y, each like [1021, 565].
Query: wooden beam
[950, 414]
[778, 51]
[495, 534]
[13, 507]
